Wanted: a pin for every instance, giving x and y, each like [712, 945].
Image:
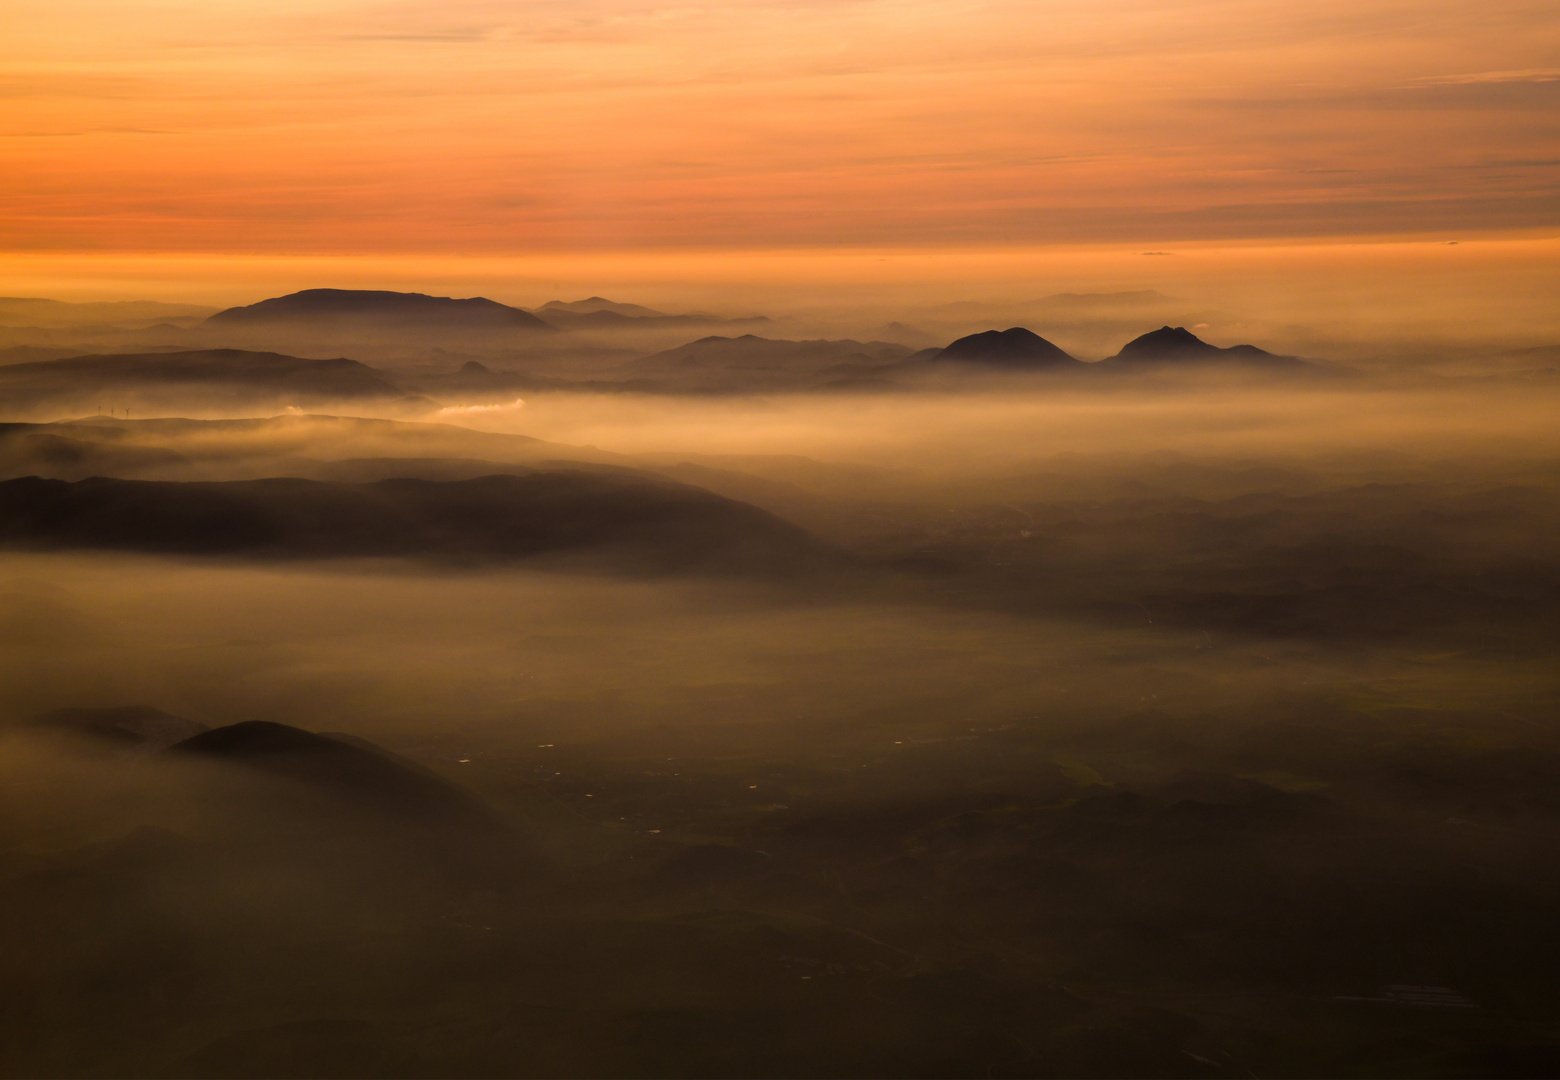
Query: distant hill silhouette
[138, 727]
[336, 307]
[599, 313]
[88, 380]
[752, 352]
[355, 769]
[1176, 344]
[39, 312]
[353, 815]
[595, 304]
[1017, 349]
[624, 519]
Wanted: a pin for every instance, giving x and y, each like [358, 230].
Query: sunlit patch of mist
[975, 430]
[470, 410]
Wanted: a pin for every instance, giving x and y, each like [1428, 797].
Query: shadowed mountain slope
[354, 769]
[632, 521]
[329, 307]
[1017, 348]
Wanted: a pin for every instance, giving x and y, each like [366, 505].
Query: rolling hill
[616, 519]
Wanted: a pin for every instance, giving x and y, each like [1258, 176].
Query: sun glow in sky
[477, 128]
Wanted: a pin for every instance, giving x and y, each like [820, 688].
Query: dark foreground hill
[1016, 349]
[328, 308]
[1178, 345]
[354, 770]
[345, 817]
[628, 519]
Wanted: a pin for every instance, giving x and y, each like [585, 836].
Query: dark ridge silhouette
[594, 304]
[354, 816]
[357, 770]
[229, 370]
[751, 352]
[139, 727]
[1016, 349]
[315, 307]
[599, 313]
[1176, 344]
[474, 378]
[629, 519]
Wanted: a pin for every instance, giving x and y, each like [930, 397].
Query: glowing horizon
[500, 130]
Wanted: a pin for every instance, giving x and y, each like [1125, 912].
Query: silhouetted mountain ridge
[751, 352]
[356, 769]
[628, 519]
[85, 381]
[1179, 345]
[334, 306]
[1017, 348]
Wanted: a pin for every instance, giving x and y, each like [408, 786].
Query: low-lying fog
[1181, 724]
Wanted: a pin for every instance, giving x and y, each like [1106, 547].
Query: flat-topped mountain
[1017, 349]
[618, 518]
[1176, 344]
[334, 307]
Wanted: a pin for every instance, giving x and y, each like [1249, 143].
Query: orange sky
[487, 128]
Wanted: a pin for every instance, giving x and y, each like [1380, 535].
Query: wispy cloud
[1528, 75]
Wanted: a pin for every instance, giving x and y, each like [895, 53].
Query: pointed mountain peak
[1017, 348]
[1177, 343]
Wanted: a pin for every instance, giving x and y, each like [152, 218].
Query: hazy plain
[1086, 724]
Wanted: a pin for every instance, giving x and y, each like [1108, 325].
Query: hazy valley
[404, 687]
